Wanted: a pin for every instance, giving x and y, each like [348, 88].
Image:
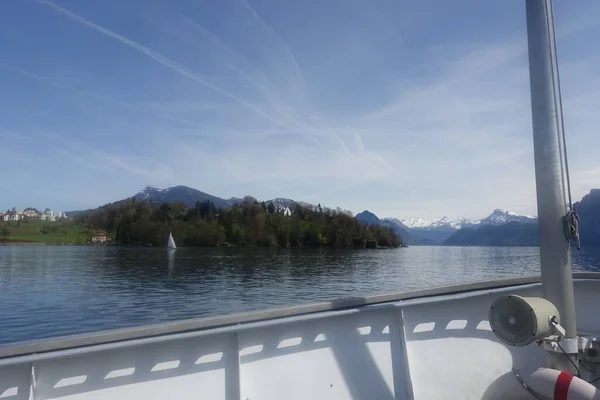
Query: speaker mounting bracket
[560, 344]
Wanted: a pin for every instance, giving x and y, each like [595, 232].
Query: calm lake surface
[50, 291]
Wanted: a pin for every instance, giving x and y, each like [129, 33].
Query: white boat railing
[425, 344]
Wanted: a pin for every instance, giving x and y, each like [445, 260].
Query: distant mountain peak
[180, 193]
[443, 222]
[395, 221]
[147, 193]
[283, 199]
[281, 202]
[500, 217]
[405, 233]
[367, 212]
[415, 222]
[190, 196]
[507, 212]
[368, 217]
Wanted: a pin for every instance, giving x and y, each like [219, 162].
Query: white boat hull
[434, 344]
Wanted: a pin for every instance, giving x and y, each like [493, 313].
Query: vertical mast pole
[555, 257]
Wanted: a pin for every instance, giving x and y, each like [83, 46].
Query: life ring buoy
[559, 385]
[546, 383]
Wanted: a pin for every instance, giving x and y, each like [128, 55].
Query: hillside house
[48, 217]
[100, 237]
[284, 210]
[11, 217]
[30, 213]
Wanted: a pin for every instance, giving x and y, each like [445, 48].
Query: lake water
[52, 291]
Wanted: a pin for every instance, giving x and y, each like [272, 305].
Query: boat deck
[430, 344]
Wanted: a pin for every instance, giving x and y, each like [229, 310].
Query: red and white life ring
[545, 382]
[559, 385]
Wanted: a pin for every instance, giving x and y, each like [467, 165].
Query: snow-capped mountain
[397, 227]
[444, 222]
[190, 196]
[395, 221]
[183, 194]
[149, 193]
[497, 217]
[440, 229]
[413, 222]
[501, 217]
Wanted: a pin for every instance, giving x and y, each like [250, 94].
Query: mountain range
[399, 229]
[441, 229]
[457, 231]
[183, 194]
[190, 196]
[500, 228]
[497, 217]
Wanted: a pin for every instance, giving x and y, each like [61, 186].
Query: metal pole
[555, 257]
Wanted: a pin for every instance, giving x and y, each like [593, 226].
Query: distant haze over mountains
[438, 231]
[444, 222]
[505, 228]
[442, 229]
[407, 237]
[497, 217]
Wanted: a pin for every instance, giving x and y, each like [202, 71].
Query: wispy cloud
[287, 50]
[100, 97]
[353, 104]
[158, 58]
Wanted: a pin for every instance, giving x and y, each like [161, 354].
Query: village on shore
[31, 213]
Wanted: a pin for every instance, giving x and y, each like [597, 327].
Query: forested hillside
[248, 223]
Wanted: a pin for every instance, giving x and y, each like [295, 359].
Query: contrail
[276, 36]
[160, 59]
[233, 53]
[259, 80]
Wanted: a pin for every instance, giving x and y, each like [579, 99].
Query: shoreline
[26, 243]
[10, 242]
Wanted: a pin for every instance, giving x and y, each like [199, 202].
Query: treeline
[248, 223]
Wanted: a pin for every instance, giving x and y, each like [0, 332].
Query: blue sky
[407, 108]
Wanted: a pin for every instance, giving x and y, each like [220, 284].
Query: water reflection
[49, 291]
[171, 263]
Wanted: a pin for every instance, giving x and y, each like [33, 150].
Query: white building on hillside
[30, 213]
[50, 215]
[11, 217]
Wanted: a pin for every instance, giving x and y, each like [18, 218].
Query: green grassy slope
[58, 232]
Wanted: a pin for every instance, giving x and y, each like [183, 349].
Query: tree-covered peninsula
[249, 223]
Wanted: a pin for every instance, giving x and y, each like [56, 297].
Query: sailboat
[171, 243]
[517, 338]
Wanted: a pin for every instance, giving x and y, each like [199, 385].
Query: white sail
[171, 244]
